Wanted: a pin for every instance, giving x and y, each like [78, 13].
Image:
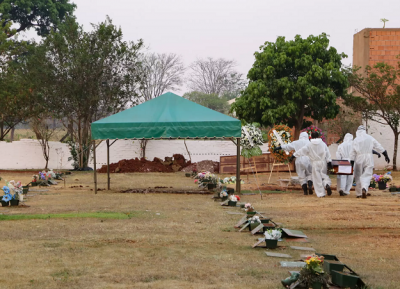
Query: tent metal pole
[94, 166]
[108, 164]
[238, 165]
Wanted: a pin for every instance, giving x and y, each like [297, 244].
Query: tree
[347, 121]
[214, 76]
[161, 72]
[378, 97]
[42, 15]
[291, 80]
[44, 131]
[211, 101]
[384, 20]
[16, 97]
[85, 76]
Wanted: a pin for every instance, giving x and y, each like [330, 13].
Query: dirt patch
[169, 165]
[210, 166]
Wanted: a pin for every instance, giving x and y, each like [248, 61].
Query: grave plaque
[292, 264]
[302, 248]
[245, 226]
[293, 233]
[225, 203]
[257, 229]
[241, 222]
[259, 242]
[278, 255]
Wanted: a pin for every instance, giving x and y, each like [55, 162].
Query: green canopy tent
[168, 116]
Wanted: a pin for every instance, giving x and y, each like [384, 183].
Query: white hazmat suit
[361, 154]
[303, 164]
[345, 182]
[319, 155]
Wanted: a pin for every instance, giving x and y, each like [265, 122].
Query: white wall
[27, 154]
[384, 135]
[199, 150]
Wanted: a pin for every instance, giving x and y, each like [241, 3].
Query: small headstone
[278, 255]
[292, 264]
[302, 248]
[257, 229]
[225, 203]
[259, 242]
[235, 213]
[245, 226]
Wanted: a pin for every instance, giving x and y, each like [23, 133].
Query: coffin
[341, 167]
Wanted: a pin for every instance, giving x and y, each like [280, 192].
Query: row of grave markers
[339, 277]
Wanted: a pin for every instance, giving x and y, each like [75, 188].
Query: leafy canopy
[42, 15]
[291, 80]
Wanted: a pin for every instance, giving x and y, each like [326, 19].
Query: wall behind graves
[27, 154]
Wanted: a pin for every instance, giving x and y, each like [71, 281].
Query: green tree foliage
[211, 101]
[16, 99]
[42, 15]
[85, 76]
[291, 80]
[376, 94]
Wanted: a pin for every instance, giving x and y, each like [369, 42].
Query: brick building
[373, 45]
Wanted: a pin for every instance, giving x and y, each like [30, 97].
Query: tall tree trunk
[12, 134]
[396, 143]
[143, 144]
[299, 123]
[1, 130]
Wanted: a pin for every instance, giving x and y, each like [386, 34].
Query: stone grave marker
[278, 255]
[302, 248]
[292, 264]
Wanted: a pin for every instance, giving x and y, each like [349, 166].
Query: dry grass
[23, 133]
[185, 241]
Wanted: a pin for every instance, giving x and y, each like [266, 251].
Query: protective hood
[316, 140]
[361, 127]
[360, 133]
[303, 136]
[348, 137]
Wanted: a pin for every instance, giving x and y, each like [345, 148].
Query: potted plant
[392, 188]
[372, 183]
[7, 197]
[382, 180]
[254, 222]
[271, 237]
[248, 207]
[223, 195]
[313, 274]
[233, 200]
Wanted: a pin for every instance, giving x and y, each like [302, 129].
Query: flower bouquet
[271, 238]
[207, 180]
[382, 180]
[223, 194]
[313, 274]
[8, 197]
[312, 129]
[233, 199]
[248, 207]
[372, 183]
[285, 133]
[251, 140]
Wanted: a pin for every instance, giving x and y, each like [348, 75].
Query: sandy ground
[185, 241]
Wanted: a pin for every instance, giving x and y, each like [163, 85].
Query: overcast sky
[235, 29]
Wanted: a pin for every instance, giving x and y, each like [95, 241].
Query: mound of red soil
[209, 166]
[143, 165]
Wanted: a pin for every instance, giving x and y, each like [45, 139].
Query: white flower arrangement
[273, 234]
[251, 141]
[233, 198]
[254, 219]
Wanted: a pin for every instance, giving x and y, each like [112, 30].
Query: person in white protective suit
[362, 160]
[320, 158]
[345, 182]
[303, 164]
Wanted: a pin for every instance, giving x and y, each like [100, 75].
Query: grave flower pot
[5, 204]
[372, 186]
[231, 191]
[188, 175]
[14, 202]
[331, 265]
[252, 226]
[34, 184]
[381, 185]
[224, 198]
[211, 186]
[251, 214]
[25, 189]
[316, 285]
[232, 204]
[271, 244]
[393, 189]
[344, 279]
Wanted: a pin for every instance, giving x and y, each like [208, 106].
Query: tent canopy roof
[167, 116]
